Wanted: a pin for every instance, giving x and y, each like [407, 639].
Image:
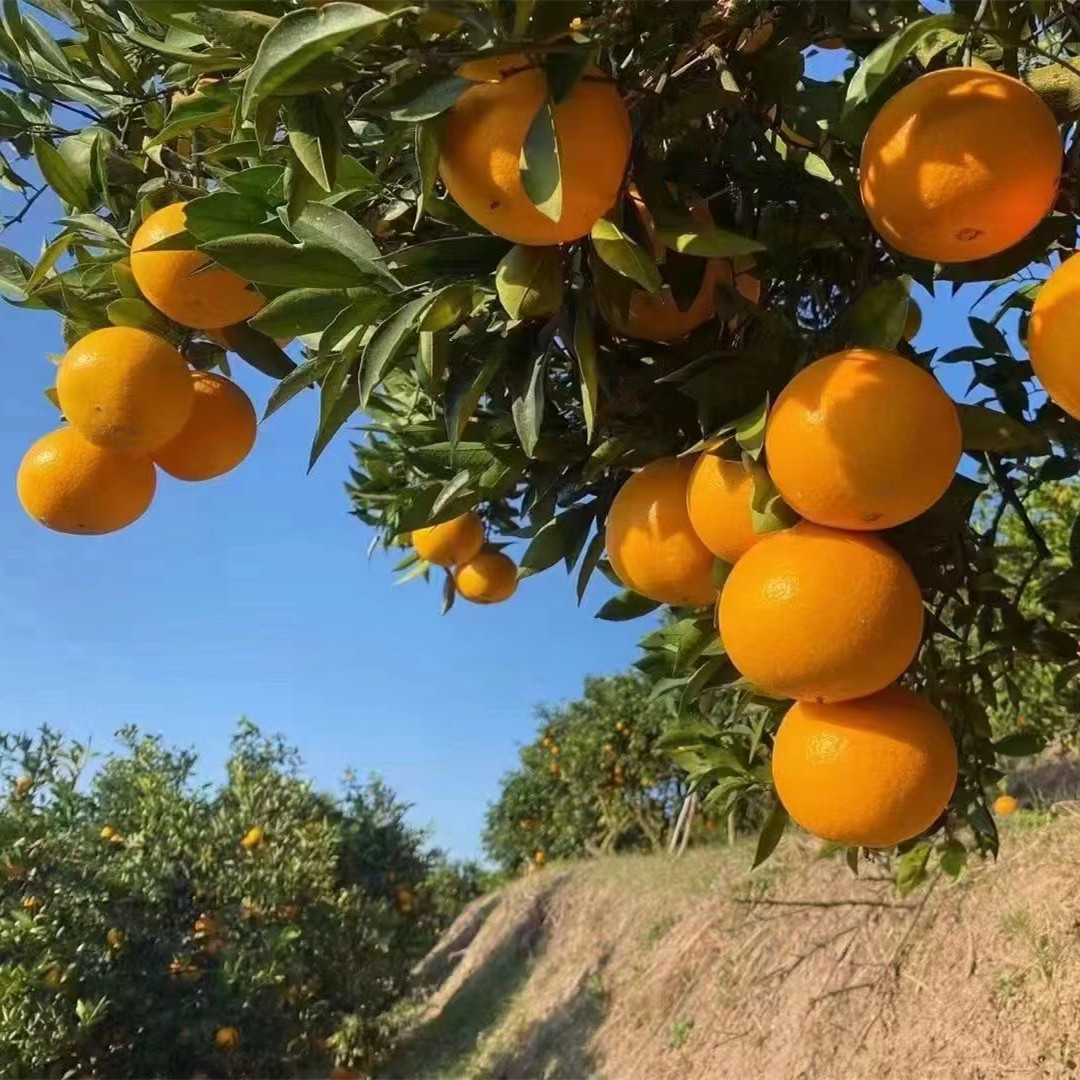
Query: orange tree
[152, 926]
[578, 268]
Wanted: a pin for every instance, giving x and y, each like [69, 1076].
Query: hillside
[661, 968]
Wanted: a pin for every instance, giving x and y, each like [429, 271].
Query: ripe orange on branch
[218, 435]
[821, 615]
[70, 485]
[650, 541]
[488, 578]
[960, 164]
[450, 543]
[483, 137]
[862, 439]
[718, 499]
[181, 284]
[868, 773]
[124, 389]
[1006, 805]
[1053, 334]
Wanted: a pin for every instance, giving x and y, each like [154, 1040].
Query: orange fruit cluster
[823, 612]
[131, 403]
[482, 577]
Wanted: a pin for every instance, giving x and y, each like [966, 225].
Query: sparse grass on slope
[645, 966]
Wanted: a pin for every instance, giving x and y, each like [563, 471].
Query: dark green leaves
[911, 867]
[886, 58]
[541, 172]
[624, 256]
[1020, 744]
[563, 69]
[771, 832]
[529, 281]
[877, 319]
[988, 336]
[313, 125]
[709, 241]
[261, 352]
[527, 407]
[990, 430]
[307, 374]
[59, 175]
[300, 311]
[433, 101]
[588, 363]
[627, 605]
[297, 39]
[388, 343]
[339, 399]
[274, 261]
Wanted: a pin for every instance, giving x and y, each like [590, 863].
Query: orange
[1052, 335]
[488, 578]
[168, 279]
[32, 903]
[252, 838]
[109, 833]
[862, 439]
[960, 164]
[821, 615]
[22, 786]
[651, 544]
[1005, 805]
[70, 485]
[718, 502]
[484, 132]
[451, 542]
[539, 858]
[115, 938]
[124, 389]
[866, 773]
[226, 1038]
[219, 434]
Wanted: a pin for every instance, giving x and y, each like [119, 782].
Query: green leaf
[705, 240]
[527, 408]
[239, 30]
[314, 136]
[388, 343]
[952, 858]
[993, 431]
[332, 228]
[49, 258]
[137, 313]
[593, 554]
[261, 352]
[448, 307]
[625, 257]
[466, 387]
[1020, 744]
[59, 176]
[588, 363]
[15, 272]
[199, 109]
[273, 261]
[529, 281]
[302, 377]
[427, 164]
[300, 311]
[449, 593]
[454, 489]
[876, 321]
[627, 605]
[749, 429]
[988, 336]
[911, 867]
[561, 537]
[541, 171]
[225, 214]
[563, 70]
[768, 511]
[339, 399]
[886, 58]
[300, 37]
[433, 101]
[771, 832]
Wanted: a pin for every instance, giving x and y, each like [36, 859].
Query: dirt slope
[649, 967]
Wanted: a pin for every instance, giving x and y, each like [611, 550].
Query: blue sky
[252, 595]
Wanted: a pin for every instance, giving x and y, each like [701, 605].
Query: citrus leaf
[541, 171]
[454, 489]
[887, 57]
[588, 363]
[771, 832]
[314, 136]
[466, 387]
[1019, 744]
[593, 555]
[338, 400]
[529, 281]
[876, 320]
[59, 175]
[988, 336]
[625, 257]
[15, 274]
[137, 313]
[260, 351]
[274, 261]
[49, 258]
[449, 593]
[427, 164]
[332, 228]
[209, 103]
[627, 605]
[388, 343]
[911, 867]
[302, 377]
[225, 213]
[527, 408]
[705, 240]
[990, 430]
[298, 38]
[433, 101]
[558, 538]
[563, 69]
[300, 311]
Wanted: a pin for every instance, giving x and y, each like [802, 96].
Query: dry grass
[681, 969]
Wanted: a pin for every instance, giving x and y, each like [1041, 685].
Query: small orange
[115, 938]
[253, 838]
[862, 439]
[651, 544]
[960, 164]
[54, 976]
[219, 434]
[124, 389]
[487, 578]
[176, 283]
[821, 615]
[70, 485]
[109, 833]
[22, 786]
[485, 130]
[226, 1038]
[452, 542]
[206, 924]
[718, 502]
[1052, 335]
[1006, 805]
[33, 904]
[539, 858]
[866, 773]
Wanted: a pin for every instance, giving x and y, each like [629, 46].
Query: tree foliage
[142, 912]
[488, 377]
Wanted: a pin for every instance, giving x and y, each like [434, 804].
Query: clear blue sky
[252, 594]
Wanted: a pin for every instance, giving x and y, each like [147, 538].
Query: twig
[93, 116]
[843, 990]
[973, 29]
[824, 903]
[1008, 492]
[23, 212]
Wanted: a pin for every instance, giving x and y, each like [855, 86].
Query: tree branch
[1008, 493]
